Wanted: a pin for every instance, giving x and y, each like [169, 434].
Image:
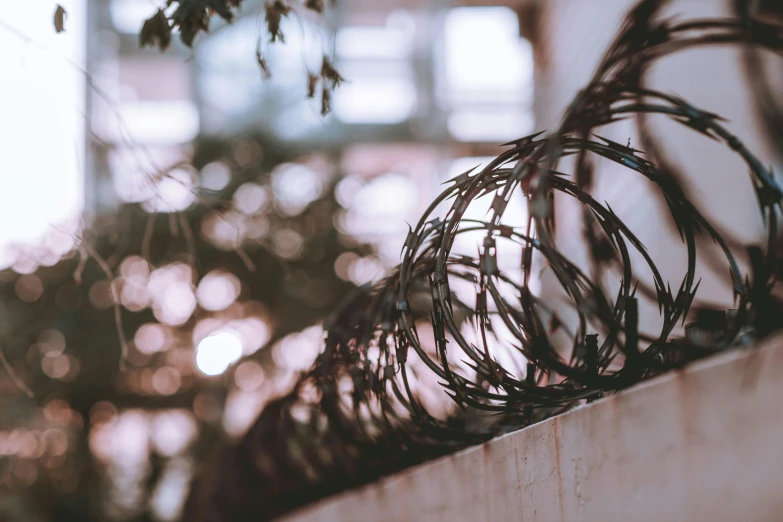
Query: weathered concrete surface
[702, 444]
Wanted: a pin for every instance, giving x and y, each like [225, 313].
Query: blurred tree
[255, 258]
[191, 17]
[104, 401]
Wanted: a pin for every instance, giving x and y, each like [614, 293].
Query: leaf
[328, 72]
[222, 8]
[275, 11]
[192, 16]
[265, 73]
[59, 19]
[156, 32]
[326, 101]
[315, 5]
[312, 84]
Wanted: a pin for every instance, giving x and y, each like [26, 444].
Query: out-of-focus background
[219, 273]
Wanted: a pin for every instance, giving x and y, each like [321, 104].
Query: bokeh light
[297, 351]
[224, 230]
[51, 342]
[151, 338]
[295, 186]
[215, 176]
[250, 198]
[29, 288]
[172, 431]
[249, 375]
[288, 243]
[166, 380]
[171, 291]
[216, 352]
[217, 290]
[174, 192]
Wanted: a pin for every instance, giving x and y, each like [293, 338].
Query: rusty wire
[358, 413]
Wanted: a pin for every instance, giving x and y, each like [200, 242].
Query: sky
[41, 120]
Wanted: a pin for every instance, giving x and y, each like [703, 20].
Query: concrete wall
[703, 444]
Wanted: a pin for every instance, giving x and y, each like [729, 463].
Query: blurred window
[377, 60]
[486, 75]
[385, 187]
[234, 97]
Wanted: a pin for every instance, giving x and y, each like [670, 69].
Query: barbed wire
[360, 411]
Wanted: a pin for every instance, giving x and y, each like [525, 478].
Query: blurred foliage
[59, 335]
[191, 17]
